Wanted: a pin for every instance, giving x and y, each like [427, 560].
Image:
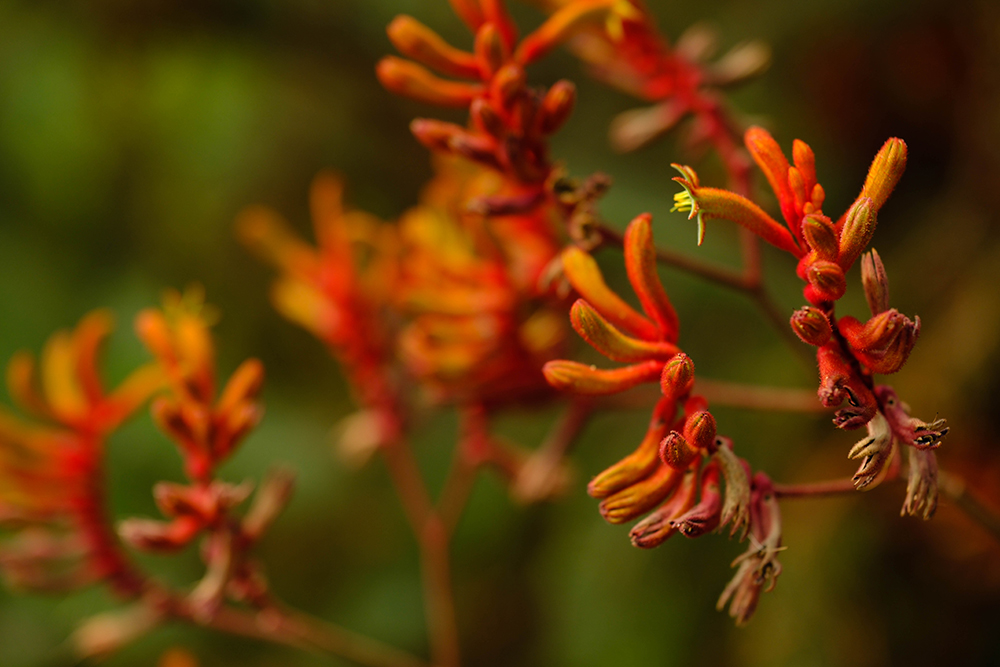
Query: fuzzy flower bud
[584, 379]
[640, 463]
[677, 377]
[557, 105]
[826, 280]
[811, 326]
[705, 516]
[636, 500]
[884, 342]
[886, 170]
[736, 504]
[875, 282]
[411, 80]
[415, 40]
[857, 233]
[699, 430]
[677, 452]
[658, 526]
[821, 235]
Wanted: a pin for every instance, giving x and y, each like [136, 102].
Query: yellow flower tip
[886, 170]
[685, 200]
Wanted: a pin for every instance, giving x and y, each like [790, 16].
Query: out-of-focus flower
[205, 427]
[50, 479]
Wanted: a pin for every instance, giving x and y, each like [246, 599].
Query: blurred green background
[131, 133]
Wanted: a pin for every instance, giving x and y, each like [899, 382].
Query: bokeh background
[132, 133]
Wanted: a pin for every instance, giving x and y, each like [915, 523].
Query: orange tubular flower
[50, 476]
[680, 462]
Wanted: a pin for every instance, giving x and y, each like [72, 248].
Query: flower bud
[584, 275]
[699, 430]
[768, 155]
[859, 227]
[508, 83]
[875, 282]
[821, 235]
[827, 280]
[151, 535]
[636, 500]
[583, 379]
[640, 463]
[486, 118]
[490, 50]
[415, 40]
[884, 342]
[838, 382]
[703, 517]
[677, 452]
[677, 377]
[557, 105]
[435, 134]
[657, 527]
[411, 80]
[811, 326]
[743, 62]
[609, 341]
[640, 263]
[886, 170]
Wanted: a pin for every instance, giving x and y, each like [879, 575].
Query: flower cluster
[673, 477]
[849, 352]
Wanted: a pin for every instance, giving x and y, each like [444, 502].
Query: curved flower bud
[875, 451]
[772, 161]
[409, 79]
[631, 130]
[584, 275]
[699, 430]
[491, 52]
[676, 452]
[642, 461]
[822, 237]
[886, 170]
[636, 500]
[857, 233]
[584, 379]
[826, 280]
[415, 40]
[921, 485]
[557, 105]
[715, 203]
[612, 343]
[640, 263]
[658, 526]
[884, 342]
[677, 377]
[811, 326]
[705, 516]
[507, 83]
[875, 282]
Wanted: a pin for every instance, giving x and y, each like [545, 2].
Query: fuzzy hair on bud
[875, 282]
[811, 326]
[678, 377]
[859, 227]
[886, 170]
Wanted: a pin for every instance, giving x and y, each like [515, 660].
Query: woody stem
[756, 397]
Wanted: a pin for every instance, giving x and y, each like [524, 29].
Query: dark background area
[132, 133]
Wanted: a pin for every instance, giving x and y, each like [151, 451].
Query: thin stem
[757, 397]
[298, 630]
[540, 473]
[815, 489]
[457, 488]
[432, 539]
[439, 600]
[955, 488]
